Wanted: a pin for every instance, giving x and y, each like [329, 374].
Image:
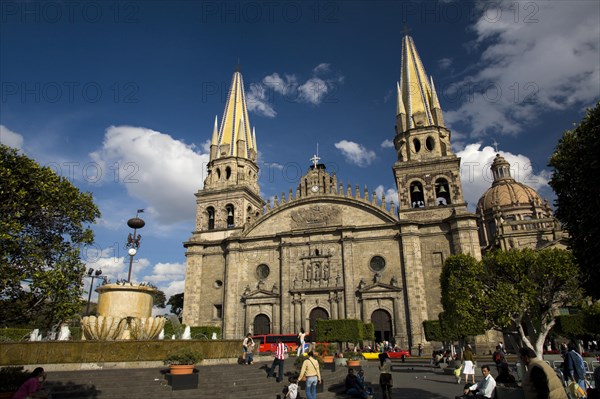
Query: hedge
[15, 334]
[433, 330]
[343, 330]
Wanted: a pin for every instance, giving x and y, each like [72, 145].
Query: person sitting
[484, 389]
[361, 382]
[353, 386]
[504, 377]
[32, 388]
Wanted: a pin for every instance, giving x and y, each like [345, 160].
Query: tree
[518, 289]
[176, 303]
[576, 181]
[462, 295]
[42, 226]
[524, 289]
[158, 297]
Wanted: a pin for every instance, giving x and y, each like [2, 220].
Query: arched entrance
[262, 325]
[382, 321]
[316, 314]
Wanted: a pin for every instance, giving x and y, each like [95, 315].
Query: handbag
[575, 390]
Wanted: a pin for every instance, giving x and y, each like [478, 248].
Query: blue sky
[121, 96]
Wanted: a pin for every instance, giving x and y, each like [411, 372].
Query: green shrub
[183, 356]
[15, 334]
[11, 378]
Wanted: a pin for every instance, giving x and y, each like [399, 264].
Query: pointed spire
[215, 135]
[254, 139]
[399, 104]
[415, 88]
[435, 103]
[235, 124]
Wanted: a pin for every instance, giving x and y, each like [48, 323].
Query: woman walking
[310, 370]
[385, 376]
[301, 336]
[468, 360]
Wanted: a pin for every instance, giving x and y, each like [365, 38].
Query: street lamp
[133, 241]
[92, 275]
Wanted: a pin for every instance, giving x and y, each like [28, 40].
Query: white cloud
[391, 194]
[156, 169]
[260, 95]
[476, 175]
[205, 147]
[256, 100]
[387, 144]
[280, 85]
[445, 63]
[355, 153]
[10, 138]
[547, 60]
[322, 67]
[313, 91]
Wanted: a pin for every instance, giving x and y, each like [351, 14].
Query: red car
[268, 342]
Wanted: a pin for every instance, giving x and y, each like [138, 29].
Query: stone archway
[382, 322]
[262, 325]
[316, 314]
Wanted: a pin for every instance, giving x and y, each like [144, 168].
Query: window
[230, 215]
[211, 217]
[218, 312]
[416, 195]
[218, 284]
[442, 192]
[430, 143]
[262, 271]
[417, 145]
[227, 173]
[377, 263]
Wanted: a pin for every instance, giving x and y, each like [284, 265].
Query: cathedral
[329, 251]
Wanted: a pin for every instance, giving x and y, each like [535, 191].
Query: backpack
[497, 357]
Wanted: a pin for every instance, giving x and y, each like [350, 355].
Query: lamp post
[133, 241]
[92, 275]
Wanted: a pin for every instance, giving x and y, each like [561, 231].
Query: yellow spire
[215, 135]
[415, 87]
[400, 104]
[235, 124]
[254, 139]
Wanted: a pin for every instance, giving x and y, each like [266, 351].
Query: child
[457, 371]
[291, 391]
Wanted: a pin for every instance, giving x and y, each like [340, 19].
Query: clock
[132, 252]
[314, 189]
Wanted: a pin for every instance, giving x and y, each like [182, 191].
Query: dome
[505, 190]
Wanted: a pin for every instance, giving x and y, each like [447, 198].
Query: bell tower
[427, 172]
[230, 196]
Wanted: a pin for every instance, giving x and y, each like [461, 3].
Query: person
[250, 351]
[482, 389]
[457, 370]
[353, 387]
[278, 361]
[301, 336]
[291, 391]
[310, 370]
[505, 377]
[573, 367]
[361, 382]
[498, 357]
[33, 388]
[385, 376]
[245, 347]
[468, 360]
[541, 381]
[420, 350]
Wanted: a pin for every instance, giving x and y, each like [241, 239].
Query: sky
[120, 97]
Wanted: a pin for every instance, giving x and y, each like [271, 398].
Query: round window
[417, 145]
[377, 263]
[218, 284]
[263, 271]
[430, 143]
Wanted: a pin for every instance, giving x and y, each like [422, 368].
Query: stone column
[297, 323]
[399, 327]
[276, 319]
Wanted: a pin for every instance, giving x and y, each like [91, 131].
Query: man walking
[278, 360]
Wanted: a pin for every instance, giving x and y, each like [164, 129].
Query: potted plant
[11, 378]
[183, 361]
[353, 358]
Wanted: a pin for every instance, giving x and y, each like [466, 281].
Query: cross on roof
[314, 160]
[495, 144]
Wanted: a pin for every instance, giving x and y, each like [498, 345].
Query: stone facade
[326, 250]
